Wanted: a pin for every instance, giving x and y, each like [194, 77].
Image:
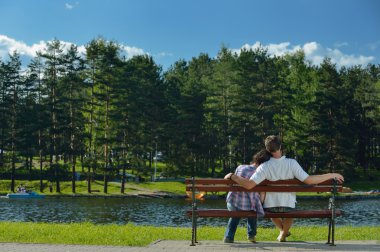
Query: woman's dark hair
[261, 157]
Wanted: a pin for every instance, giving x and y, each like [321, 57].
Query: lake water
[162, 212]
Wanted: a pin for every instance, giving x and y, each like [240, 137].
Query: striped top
[246, 200]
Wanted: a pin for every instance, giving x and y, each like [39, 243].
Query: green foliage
[206, 115]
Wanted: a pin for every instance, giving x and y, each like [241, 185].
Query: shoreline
[351, 196]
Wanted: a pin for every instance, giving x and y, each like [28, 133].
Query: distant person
[280, 168]
[245, 200]
[21, 188]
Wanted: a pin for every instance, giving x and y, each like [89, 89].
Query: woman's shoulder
[243, 170]
[245, 166]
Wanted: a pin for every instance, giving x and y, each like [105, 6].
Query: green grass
[134, 188]
[113, 187]
[132, 235]
[172, 187]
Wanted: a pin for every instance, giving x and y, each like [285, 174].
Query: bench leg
[194, 215]
[332, 233]
[193, 231]
[333, 216]
[196, 230]
[332, 219]
[329, 236]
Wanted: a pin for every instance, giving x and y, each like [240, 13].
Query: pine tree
[296, 118]
[14, 86]
[105, 62]
[329, 118]
[3, 108]
[53, 67]
[72, 98]
[174, 81]
[218, 110]
[39, 125]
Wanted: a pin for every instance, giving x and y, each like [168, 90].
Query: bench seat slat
[325, 213]
[260, 188]
[213, 181]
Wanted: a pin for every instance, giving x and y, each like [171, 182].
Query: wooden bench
[221, 185]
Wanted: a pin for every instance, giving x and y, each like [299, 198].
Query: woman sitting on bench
[245, 200]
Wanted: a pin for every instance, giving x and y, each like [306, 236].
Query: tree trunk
[31, 163]
[13, 170]
[123, 179]
[74, 175]
[106, 147]
[89, 179]
[41, 166]
[81, 162]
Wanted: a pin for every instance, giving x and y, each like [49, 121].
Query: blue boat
[25, 195]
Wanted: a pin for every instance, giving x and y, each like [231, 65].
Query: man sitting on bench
[280, 168]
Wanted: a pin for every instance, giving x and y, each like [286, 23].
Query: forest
[103, 114]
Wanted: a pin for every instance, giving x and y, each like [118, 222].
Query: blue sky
[348, 31]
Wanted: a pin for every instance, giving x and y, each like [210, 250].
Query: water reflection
[162, 212]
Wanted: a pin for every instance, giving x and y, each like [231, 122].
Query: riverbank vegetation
[168, 188]
[131, 235]
[101, 114]
[177, 188]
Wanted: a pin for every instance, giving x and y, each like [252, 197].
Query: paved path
[178, 246]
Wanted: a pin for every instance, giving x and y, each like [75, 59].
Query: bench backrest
[292, 185]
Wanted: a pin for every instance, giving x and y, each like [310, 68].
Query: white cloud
[317, 52]
[314, 52]
[132, 51]
[69, 6]
[341, 44]
[164, 54]
[310, 48]
[273, 49]
[9, 45]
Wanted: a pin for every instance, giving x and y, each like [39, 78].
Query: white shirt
[279, 169]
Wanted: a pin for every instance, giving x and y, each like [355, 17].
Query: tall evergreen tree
[39, 125]
[144, 106]
[254, 90]
[93, 57]
[14, 87]
[72, 98]
[175, 79]
[296, 118]
[3, 108]
[329, 118]
[192, 106]
[106, 63]
[53, 67]
[222, 93]
[365, 113]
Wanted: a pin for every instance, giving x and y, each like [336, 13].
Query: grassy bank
[113, 187]
[169, 187]
[131, 235]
